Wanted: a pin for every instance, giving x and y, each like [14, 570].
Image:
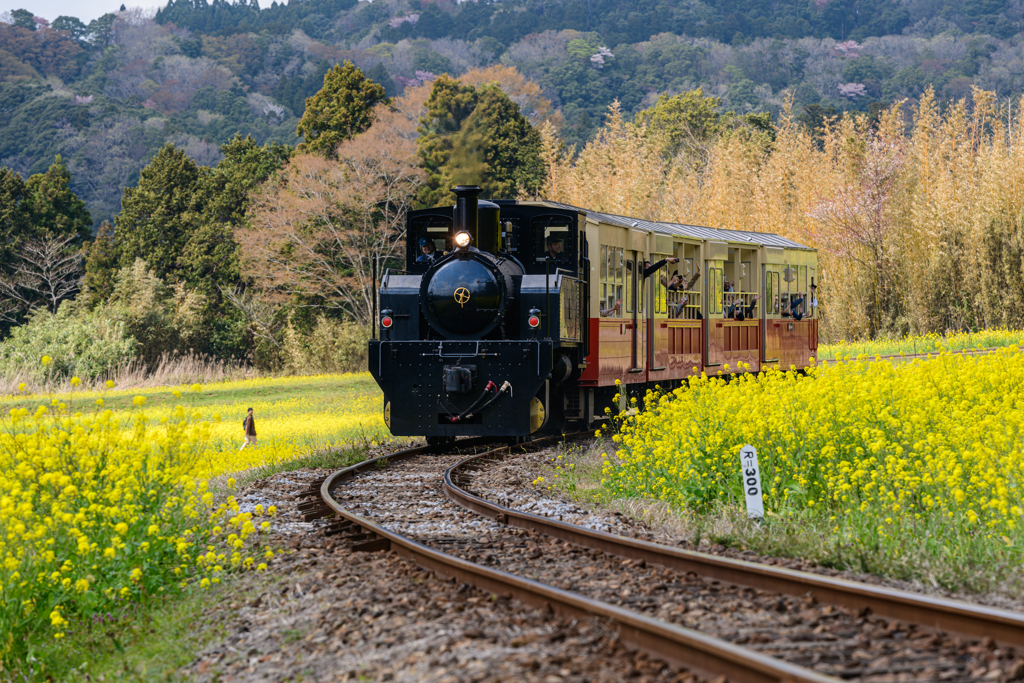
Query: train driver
[556, 243]
[428, 252]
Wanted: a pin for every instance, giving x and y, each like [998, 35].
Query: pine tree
[157, 216]
[342, 109]
[52, 209]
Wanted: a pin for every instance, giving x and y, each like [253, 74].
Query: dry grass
[169, 370]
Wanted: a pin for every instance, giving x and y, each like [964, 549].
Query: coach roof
[680, 229]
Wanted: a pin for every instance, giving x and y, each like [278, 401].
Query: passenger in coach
[613, 309]
[650, 270]
[677, 284]
[740, 313]
[796, 307]
[681, 309]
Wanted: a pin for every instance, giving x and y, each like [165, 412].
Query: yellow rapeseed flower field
[890, 457]
[924, 343]
[104, 498]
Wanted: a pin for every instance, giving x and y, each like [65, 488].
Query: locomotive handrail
[441, 354]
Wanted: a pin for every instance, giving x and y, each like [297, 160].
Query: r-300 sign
[751, 482]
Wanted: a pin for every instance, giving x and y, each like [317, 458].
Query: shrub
[332, 346]
[81, 343]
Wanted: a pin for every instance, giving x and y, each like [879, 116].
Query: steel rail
[687, 648]
[954, 616]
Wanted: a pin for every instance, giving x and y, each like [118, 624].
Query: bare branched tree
[261, 314]
[46, 272]
[856, 222]
[314, 233]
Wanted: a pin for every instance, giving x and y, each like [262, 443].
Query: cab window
[553, 238]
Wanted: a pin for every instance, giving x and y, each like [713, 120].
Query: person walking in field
[249, 424]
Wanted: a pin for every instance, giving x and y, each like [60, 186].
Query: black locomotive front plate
[415, 376]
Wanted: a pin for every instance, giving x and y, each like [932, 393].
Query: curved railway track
[949, 616]
[784, 627]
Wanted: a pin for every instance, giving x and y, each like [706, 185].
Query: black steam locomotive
[483, 332]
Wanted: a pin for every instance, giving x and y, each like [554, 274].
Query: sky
[86, 10]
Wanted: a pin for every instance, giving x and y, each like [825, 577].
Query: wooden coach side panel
[685, 348]
[611, 353]
[731, 342]
[794, 346]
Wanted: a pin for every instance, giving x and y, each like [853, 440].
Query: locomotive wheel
[439, 440]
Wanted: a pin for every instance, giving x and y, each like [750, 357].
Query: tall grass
[917, 215]
[170, 370]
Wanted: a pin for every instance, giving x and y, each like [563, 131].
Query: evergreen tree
[52, 209]
[448, 107]
[210, 257]
[157, 216]
[476, 137]
[686, 120]
[379, 74]
[497, 148]
[24, 19]
[341, 110]
[691, 122]
[13, 221]
[101, 265]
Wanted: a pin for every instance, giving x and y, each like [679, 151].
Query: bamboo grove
[916, 212]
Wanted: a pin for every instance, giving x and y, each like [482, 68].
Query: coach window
[604, 278]
[611, 281]
[630, 277]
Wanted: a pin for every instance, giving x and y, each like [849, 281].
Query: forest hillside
[108, 94]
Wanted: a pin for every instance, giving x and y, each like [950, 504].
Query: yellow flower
[75, 381]
[139, 400]
[22, 387]
[110, 384]
[46, 361]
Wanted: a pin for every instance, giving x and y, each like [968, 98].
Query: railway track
[761, 626]
[906, 358]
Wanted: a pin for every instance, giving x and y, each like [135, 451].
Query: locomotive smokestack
[466, 206]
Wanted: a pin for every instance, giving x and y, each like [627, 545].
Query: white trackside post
[751, 482]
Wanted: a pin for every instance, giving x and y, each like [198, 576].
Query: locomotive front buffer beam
[493, 387]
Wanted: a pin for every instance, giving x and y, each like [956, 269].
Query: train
[515, 319]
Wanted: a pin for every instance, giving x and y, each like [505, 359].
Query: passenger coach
[517, 318]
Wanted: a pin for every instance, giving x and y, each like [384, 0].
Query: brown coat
[250, 425]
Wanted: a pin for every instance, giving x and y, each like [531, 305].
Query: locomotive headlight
[462, 239]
